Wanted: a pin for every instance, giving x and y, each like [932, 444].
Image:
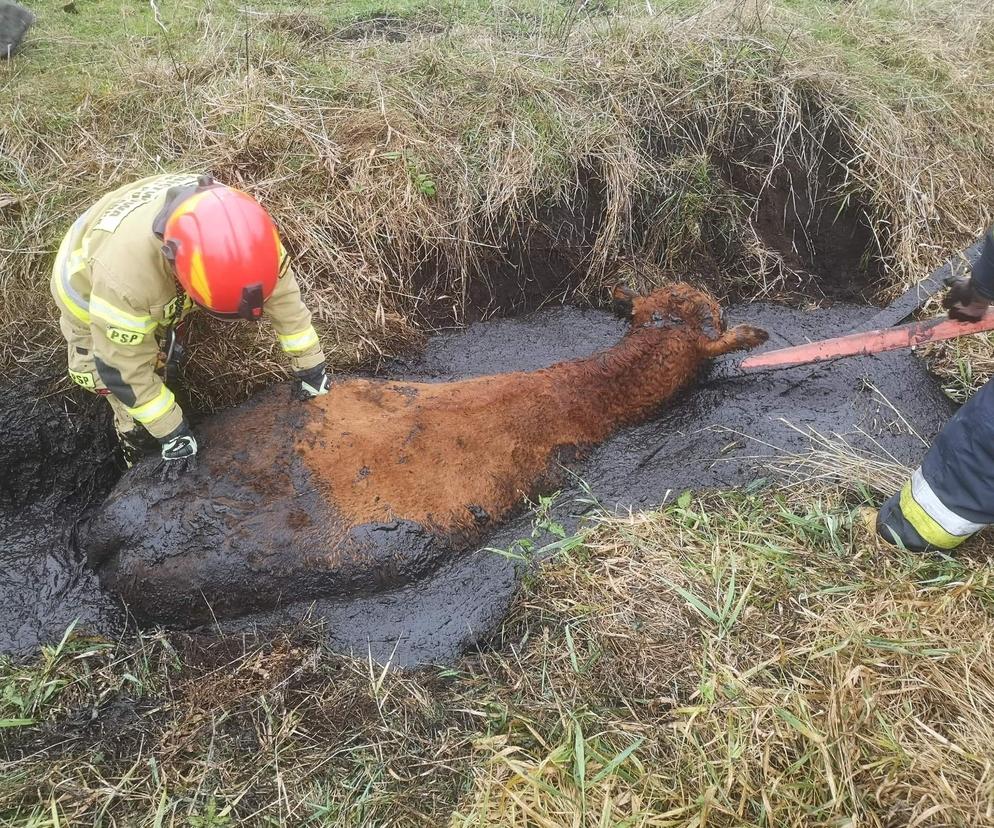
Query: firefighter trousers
[951, 495]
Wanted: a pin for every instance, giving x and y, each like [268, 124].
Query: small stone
[15, 21]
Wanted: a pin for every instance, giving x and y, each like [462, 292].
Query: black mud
[717, 435]
[55, 460]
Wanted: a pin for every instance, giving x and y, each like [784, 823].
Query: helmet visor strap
[250, 306]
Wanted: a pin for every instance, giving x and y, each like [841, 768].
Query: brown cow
[376, 483]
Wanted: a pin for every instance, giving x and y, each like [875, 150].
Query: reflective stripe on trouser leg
[300, 341]
[932, 520]
[156, 408]
[952, 495]
[83, 371]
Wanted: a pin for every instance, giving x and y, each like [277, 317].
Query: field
[743, 658]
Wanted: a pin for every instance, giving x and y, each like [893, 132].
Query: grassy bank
[737, 659]
[431, 163]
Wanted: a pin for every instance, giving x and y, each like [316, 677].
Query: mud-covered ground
[56, 458]
[719, 434]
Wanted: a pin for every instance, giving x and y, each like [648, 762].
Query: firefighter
[951, 495]
[140, 259]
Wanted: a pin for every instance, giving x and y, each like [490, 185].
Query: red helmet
[223, 247]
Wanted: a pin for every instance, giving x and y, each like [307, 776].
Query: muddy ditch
[719, 434]
[58, 459]
[778, 228]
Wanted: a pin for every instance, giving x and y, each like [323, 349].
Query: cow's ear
[622, 298]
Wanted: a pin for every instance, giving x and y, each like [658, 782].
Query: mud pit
[431, 615]
[55, 460]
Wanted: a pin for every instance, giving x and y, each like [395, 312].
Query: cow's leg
[739, 338]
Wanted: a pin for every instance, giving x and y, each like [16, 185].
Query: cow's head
[674, 304]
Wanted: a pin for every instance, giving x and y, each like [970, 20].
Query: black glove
[963, 302]
[311, 383]
[179, 453]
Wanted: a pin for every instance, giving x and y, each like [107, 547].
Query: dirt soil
[717, 435]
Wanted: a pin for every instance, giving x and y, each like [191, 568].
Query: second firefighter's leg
[951, 495]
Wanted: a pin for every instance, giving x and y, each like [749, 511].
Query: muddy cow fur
[373, 485]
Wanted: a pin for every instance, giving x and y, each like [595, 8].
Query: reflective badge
[169, 311]
[122, 337]
[84, 378]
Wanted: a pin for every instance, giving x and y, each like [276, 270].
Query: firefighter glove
[179, 453]
[963, 302]
[311, 383]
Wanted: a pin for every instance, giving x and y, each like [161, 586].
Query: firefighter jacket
[111, 279]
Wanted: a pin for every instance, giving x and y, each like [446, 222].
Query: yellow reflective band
[69, 304]
[198, 278]
[65, 265]
[105, 311]
[946, 518]
[302, 340]
[60, 257]
[159, 407]
[925, 524]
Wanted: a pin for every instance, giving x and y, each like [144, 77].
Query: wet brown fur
[458, 456]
